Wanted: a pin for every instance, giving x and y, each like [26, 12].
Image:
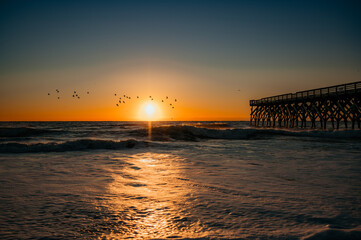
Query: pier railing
[314, 93]
[334, 103]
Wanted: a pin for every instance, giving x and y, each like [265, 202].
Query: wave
[211, 125]
[76, 145]
[193, 133]
[24, 131]
[336, 234]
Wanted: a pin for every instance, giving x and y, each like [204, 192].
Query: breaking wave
[215, 125]
[24, 131]
[336, 234]
[76, 145]
[192, 133]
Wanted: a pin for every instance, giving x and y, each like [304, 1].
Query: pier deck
[329, 104]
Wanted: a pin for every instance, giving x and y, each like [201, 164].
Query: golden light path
[150, 198]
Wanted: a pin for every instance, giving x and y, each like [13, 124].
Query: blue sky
[42, 34]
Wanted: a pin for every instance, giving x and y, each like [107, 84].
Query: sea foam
[335, 234]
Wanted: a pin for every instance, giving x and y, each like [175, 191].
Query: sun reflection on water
[150, 199]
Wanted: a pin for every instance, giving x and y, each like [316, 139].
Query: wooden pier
[335, 104]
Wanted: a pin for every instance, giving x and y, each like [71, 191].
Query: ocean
[178, 180]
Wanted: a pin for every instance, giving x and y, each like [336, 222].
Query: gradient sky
[213, 56]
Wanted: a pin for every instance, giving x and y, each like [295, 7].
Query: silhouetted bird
[73, 95]
[115, 94]
[162, 101]
[152, 99]
[117, 105]
[74, 91]
[58, 97]
[123, 102]
[87, 92]
[150, 96]
[175, 100]
[48, 94]
[137, 96]
[172, 107]
[166, 97]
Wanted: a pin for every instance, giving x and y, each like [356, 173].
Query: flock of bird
[57, 91]
[123, 99]
[75, 95]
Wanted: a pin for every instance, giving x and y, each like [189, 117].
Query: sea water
[161, 180]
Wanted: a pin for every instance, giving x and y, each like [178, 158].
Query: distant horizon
[127, 121]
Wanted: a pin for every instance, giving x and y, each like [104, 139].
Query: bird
[123, 102]
[162, 101]
[117, 105]
[73, 95]
[137, 96]
[115, 94]
[152, 99]
[48, 94]
[175, 100]
[172, 107]
[87, 92]
[58, 97]
[74, 91]
[124, 95]
[78, 97]
[166, 97]
[130, 98]
[170, 104]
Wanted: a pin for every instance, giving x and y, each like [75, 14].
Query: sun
[149, 111]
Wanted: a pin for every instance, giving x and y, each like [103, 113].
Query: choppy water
[87, 180]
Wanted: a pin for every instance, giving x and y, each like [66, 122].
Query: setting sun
[150, 111]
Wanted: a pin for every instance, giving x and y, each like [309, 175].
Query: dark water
[212, 180]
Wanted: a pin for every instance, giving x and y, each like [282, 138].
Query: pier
[335, 104]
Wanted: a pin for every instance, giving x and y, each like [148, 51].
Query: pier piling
[329, 104]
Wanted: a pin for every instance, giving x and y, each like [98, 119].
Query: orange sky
[197, 98]
[202, 93]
